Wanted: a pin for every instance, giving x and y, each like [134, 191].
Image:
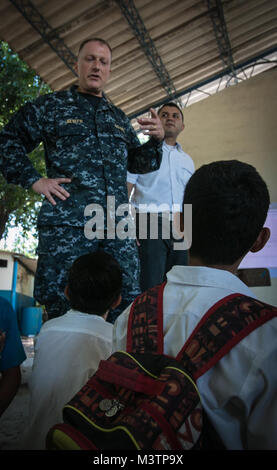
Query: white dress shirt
[166, 185]
[68, 350]
[240, 392]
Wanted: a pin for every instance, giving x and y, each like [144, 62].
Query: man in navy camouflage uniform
[89, 145]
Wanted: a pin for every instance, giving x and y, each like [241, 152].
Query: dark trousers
[58, 248]
[157, 256]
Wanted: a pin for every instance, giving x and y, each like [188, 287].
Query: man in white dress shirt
[229, 207]
[162, 192]
[69, 348]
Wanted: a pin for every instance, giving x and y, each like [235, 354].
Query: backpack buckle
[111, 407]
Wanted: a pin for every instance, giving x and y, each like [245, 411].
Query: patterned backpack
[142, 399]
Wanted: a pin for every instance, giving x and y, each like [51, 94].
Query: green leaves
[18, 84]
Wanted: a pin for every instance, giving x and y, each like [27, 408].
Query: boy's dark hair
[102, 41]
[230, 202]
[94, 283]
[173, 105]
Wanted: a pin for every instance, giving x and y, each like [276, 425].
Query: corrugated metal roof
[190, 41]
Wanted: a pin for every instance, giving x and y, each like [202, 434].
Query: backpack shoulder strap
[145, 324]
[221, 328]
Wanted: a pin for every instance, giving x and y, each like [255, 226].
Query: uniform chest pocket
[64, 130]
[71, 136]
[113, 130]
[119, 146]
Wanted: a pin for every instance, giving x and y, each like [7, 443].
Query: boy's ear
[116, 302]
[66, 292]
[261, 241]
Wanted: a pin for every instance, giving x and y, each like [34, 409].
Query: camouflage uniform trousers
[59, 246]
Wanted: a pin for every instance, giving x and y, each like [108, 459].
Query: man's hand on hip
[51, 186]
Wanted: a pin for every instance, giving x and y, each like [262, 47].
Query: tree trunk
[4, 216]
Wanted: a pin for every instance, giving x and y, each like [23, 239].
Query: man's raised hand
[152, 126]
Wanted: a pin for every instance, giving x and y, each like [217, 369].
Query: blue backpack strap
[145, 324]
[220, 329]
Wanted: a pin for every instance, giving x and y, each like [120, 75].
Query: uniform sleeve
[18, 138]
[142, 158]
[13, 353]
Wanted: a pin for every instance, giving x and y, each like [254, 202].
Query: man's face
[93, 67]
[171, 119]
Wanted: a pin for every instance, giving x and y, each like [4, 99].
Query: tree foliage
[18, 84]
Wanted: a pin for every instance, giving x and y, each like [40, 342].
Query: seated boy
[69, 348]
[12, 354]
[230, 202]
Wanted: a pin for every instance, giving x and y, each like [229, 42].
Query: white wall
[240, 123]
[267, 294]
[237, 123]
[6, 274]
[25, 281]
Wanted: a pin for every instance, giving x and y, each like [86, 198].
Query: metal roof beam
[138, 27]
[216, 13]
[49, 35]
[238, 67]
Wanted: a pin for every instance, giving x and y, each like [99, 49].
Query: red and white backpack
[142, 399]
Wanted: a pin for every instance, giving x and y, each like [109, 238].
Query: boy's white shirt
[68, 350]
[240, 392]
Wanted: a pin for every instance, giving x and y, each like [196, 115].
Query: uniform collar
[207, 277]
[104, 102]
[75, 321]
[177, 146]
[89, 316]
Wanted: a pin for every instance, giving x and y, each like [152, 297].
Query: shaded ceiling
[161, 48]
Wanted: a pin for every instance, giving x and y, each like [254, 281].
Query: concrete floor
[14, 419]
